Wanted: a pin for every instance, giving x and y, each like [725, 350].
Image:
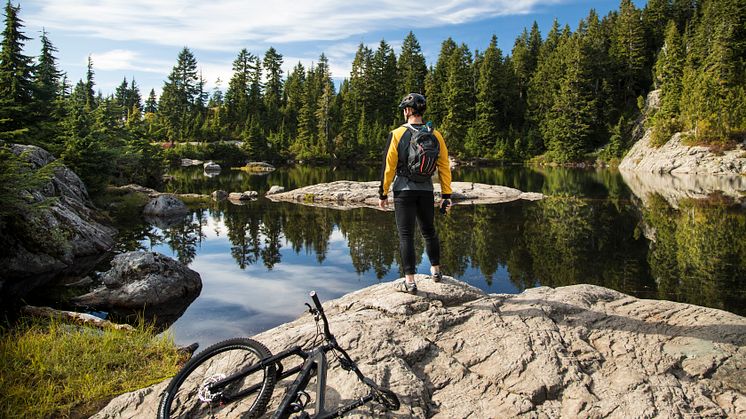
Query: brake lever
[311, 309]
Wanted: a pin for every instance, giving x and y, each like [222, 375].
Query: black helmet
[415, 101]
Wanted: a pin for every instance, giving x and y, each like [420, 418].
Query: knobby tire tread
[262, 401]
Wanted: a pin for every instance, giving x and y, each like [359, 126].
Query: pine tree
[273, 89]
[293, 100]
[385, 85]
[655, 16]
[16, 83]
[628, 49]
[569, 125]
[237, 100]
[714, 80]
[176, 107]
[435, 82]
[458, 96]
[488, 102]
[668, 77]
[90, 94]
[48, 100]
[412, 68]
[151, 104]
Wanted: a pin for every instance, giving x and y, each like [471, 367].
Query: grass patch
[54, 369]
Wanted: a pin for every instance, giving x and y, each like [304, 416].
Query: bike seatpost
[316, 301]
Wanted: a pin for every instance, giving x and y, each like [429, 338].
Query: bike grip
[316, 301]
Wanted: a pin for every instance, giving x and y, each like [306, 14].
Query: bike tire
[182, 396]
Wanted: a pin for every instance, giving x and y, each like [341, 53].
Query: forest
[570, 95]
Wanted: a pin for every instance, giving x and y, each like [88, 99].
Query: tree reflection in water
[590, 230]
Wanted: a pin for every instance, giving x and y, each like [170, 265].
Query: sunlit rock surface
[578, 351]
[346, 194]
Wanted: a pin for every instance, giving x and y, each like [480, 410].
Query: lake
[648, 236]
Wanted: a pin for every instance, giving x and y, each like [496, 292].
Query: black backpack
[421, 150]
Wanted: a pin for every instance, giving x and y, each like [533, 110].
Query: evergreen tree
[151, 104]
[629, 50]
[569, 125]
[655, 16]
[488, 106]
[412, 68]
[237, 96]
[459, 99]
[668, 77]
[16, 83]
[293, 100]
[714, 79]
[273, 89]
[385, 85]
[435, 82]
[176, 107]
[48, 95]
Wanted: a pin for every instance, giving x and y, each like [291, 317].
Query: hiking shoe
[405, 286]
[437, 277]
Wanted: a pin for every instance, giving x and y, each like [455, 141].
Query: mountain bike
[236, 377]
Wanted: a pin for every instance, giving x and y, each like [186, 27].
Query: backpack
[422, 149]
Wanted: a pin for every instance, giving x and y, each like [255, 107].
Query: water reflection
[259, 260]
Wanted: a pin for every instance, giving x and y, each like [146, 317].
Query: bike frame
[314, 363]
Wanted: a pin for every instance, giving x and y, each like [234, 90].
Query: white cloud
[121, 59]
[231, 24]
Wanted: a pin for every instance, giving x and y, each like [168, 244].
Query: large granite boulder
[453, 351]
[61, 237]
[143, 279]
[346, 194]
[165, 205]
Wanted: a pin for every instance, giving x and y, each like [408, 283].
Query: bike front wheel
[191, 395]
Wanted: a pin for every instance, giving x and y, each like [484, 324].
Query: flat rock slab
[453, 351]
[346, 194]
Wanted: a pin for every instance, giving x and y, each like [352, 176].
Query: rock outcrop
[275, 189]
[145, 280]
[346, 194]
[579, 351]
[242, 196]
[55, 238]
[165, 205]
[675, 157]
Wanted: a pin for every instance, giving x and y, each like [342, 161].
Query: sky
[141, 39]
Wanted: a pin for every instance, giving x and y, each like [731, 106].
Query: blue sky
[141, 38]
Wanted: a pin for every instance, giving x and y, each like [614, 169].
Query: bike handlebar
[317, 303]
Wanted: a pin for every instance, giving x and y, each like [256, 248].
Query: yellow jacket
[391, 163]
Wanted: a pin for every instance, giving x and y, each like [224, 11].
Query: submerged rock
[219, 195]
[138, 280]
[346, 194]
[577, 351]
[190, 162]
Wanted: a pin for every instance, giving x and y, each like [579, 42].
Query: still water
[259, 261]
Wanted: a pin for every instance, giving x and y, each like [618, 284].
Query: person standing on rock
[413, 152]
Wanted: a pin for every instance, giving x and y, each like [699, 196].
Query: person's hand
[383, 203]
[445, 206]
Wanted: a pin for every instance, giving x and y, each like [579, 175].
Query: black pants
[408, 208]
